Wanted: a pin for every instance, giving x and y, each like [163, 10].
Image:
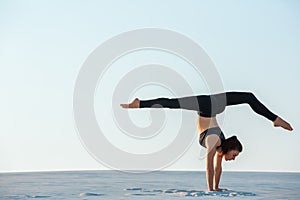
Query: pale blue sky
[255, 46]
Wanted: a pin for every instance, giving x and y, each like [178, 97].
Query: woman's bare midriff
[206, 123]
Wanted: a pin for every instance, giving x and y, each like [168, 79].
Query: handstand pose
[211, 136]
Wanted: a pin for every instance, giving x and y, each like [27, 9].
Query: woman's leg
[234, 98]
[187, 103]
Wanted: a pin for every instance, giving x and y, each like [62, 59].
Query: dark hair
[229, 144]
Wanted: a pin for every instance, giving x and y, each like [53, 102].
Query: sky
[254, 46]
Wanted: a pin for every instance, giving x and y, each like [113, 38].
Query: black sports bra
[214, 130]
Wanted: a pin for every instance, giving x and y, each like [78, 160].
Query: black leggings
[211, 105]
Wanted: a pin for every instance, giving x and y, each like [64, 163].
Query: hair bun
[233, 137]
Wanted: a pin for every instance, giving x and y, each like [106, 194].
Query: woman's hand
[220, 189]
[217, 190]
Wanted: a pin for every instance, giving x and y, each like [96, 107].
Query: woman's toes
[124, 105]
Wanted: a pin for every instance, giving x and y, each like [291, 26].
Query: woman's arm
[210, 169]
[218, 171]
[212, 141]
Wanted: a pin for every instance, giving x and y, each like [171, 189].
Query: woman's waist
[209, 128]
[206, 123]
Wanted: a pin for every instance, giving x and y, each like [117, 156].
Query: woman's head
[230, 148]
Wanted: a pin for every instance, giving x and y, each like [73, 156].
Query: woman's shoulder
[212, 141]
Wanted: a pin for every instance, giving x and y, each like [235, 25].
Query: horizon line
[142, 171]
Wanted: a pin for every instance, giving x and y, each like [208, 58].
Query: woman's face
[230, 155]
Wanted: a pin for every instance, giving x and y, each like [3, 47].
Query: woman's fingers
[220, 189]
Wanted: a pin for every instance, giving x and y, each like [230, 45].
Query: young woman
[211, 136]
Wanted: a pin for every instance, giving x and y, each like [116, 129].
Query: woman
[211, 136]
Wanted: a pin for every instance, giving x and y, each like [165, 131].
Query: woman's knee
[250, 97]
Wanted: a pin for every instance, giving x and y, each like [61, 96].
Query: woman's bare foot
[280, 122]
[134, 104]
